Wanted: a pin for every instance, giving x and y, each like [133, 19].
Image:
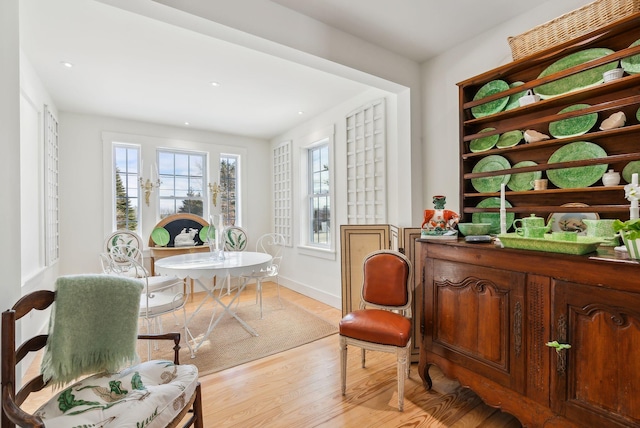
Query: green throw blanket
[93, 327]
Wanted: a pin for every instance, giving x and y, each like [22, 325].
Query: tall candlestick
[503, 211]
[633, 210]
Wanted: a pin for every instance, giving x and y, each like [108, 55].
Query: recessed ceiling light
[186, 123]
[300, 112]
[215, 84]
[66, 64]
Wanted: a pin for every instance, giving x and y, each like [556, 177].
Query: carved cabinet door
[474, 318]
[596, 381]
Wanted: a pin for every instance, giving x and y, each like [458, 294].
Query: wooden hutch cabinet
[489, 312]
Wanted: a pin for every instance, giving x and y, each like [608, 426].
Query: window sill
[322, 253]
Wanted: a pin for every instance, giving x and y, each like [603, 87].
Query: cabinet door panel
[599, 376]
[473, 314]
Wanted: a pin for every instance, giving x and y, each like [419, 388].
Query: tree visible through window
[228, 188]
[127, 188]
[319, 197]
[182, 182]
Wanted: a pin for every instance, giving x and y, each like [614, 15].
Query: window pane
[319, 200]
[228, 192]
[182, 177]
[127, 193]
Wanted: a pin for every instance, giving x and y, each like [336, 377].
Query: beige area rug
[230, 344]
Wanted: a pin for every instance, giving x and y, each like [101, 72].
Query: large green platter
[574, 126]
[484, 143]
[509, 139]
[493, 218]
[514, 100]
[629, 169]
[494, 106]
[523, 180]
[584, 244]
[489, 164]
[631, 64]
[584, 79]
[583, 176]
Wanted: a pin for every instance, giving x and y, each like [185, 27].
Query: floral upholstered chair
[93, 332]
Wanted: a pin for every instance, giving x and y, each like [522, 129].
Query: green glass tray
[584, 244]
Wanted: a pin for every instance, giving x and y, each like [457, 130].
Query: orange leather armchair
[383, 322]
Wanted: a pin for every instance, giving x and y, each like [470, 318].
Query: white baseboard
[314, 293]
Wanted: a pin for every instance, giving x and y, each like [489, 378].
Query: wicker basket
[571, 25]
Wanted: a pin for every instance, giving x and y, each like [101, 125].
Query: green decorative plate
[573, 126]
[631, 64]
[488, 164]
[629, 169]
[583, 176]
[484, 143]
[583, 245]
[494, 106]
[493, 218]
[203, 234]
[584, 79]
[638, 114]
[160, 236]
[524, 180]
[514, 100]
[509, 139]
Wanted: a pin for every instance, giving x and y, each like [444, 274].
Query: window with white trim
[182, 176]
[126, 173]
[228, 198]
[318, 196]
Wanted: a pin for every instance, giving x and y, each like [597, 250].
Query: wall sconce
[215, 188]
[148, 186]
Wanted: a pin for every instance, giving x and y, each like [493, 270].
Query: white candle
[633, 211]
[503, 211]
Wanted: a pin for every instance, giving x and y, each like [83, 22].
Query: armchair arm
[14, 413]
[166, 336]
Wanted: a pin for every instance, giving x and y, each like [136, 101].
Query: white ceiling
[416, 29]
[130, 66]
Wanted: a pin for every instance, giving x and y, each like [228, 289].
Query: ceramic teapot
[531, 222]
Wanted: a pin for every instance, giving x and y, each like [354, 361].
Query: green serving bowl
[473, 229]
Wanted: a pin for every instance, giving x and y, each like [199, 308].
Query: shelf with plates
[574, 103]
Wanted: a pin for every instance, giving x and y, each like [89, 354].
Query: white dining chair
[273, 244]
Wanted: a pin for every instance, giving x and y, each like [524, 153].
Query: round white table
[199, 266]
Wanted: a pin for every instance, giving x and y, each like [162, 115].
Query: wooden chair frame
[11, 413]
[403, 353]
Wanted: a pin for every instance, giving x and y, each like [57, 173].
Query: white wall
[440, 94]
[316, 276]
[298, 38]
[82, 193]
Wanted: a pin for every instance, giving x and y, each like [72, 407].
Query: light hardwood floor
[300, 388]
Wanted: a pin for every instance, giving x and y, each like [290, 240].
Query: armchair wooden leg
[343, 364]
